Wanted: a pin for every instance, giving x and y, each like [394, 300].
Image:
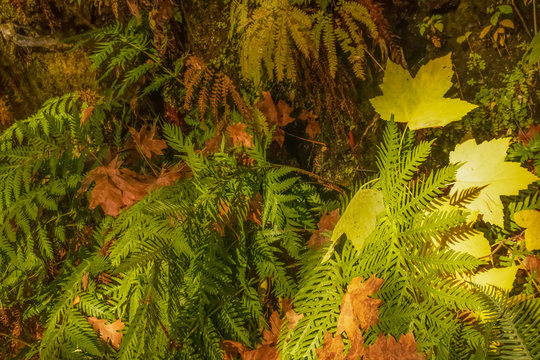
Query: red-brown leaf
[144, 139]
[239, 136]
[326, 223]
[332, 348]
[389, 349]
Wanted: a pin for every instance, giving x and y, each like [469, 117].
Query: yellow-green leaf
[476, 245]
[420, 101]
[530, 220]
[502, 278]
[484, 165]
[359, 219]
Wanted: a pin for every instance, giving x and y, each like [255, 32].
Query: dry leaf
[525, 137]
[332, 348]
[86, 114]
[275, 115]
[292, 318]
[268, 108]
[313, 129]
[233, 349]
[388, 349]
[365, 308]
[239, 136]
[76, 300]
[115, 187]
[326, 223]
[144, 139]
[284, 113]
[108, 331]
[85, 281]
[255, 209]
[532, 264]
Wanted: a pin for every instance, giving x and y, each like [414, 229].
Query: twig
[329, 184]
[521, 18]
[301, 138]
[15, 339]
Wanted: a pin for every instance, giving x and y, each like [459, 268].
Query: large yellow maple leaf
[420, 101]
[484, 165]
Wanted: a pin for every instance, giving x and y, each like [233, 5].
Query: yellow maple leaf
[475, 244]
[359, 219]
[502, 278]
[530, 220]
[484, 165]
[420, 101]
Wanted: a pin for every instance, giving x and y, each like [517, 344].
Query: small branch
[301, 138]
[521, 18]
[15, 339]
[329, 184]
[9, 33]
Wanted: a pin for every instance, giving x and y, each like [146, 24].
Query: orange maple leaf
[326, 223]
[390, 349]
[239, 136]
[279, 115]
[332, 348]
[108, 331]
[115, 187]
[365, 308]
[267, 350]
[144, 139]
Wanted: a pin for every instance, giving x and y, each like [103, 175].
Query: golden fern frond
[273, 33]
[388, 42]
[213, 89]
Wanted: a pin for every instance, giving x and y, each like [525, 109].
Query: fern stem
[15, 339]
[327, 183]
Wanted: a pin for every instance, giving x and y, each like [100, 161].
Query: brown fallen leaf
[332, 348]
[532, 264]
[292, 318]
[76, 300]
[87, 113]
[312, 129]
[108, 331]
[390, 349]
[525, 137]
[144, 139]
[255, 209]
[268, 108]
[279, 115]
[327, 222]
[284, 113]
[115, 188]
[233, 350]
[85, 281]
[365, 308]
[239, 136]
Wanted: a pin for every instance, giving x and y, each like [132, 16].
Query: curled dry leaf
[85, 281]
[108, 331]
[390, 349]
[239, 136]
[87, 113]
[144, 139]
